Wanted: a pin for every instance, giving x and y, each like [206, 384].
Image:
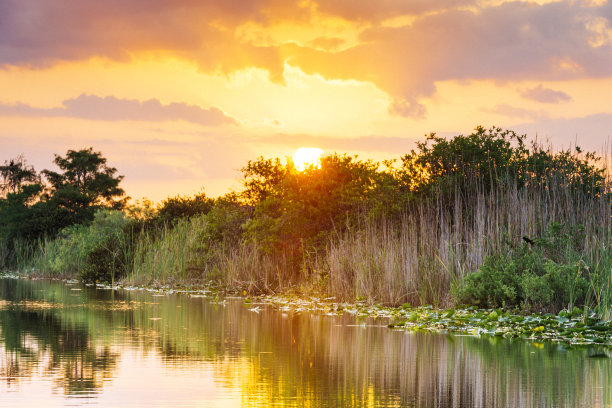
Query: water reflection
[60, 342]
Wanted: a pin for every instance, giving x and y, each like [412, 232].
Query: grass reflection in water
[128, 347]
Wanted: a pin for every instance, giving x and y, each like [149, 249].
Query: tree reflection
[36, 341]
[75, 336]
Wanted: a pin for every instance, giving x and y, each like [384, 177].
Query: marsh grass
[164, 257]
[66, 255]
[186, 254]
[433, 246]
[419, 251]
[416, 257]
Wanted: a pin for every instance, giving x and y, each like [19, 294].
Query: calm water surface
[68, 345]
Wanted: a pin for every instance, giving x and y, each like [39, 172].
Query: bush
[74, 243]
[489, 158]
[175, 208]
[546, 276]
[105, 261]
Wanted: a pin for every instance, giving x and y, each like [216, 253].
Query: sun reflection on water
[121, 349]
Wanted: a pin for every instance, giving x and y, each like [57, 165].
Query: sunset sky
[179, 94]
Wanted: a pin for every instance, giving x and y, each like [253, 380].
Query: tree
[14, 173]
[174, 208]
[494, 158]
[484, 159]
[31, 210]
[261, 177]
[85, 184]
[297, 209]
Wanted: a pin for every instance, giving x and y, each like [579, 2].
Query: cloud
[512, 41]
[545, 95]
[114, 109]
[327, 43]
[407, 107]
[38, 33]
[368, 10]
[443, 39]
[513, 112]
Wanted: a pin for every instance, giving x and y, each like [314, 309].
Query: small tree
[297, 211]
[14, 173]
[261, 177]
[85, 184]
[174, 208]
[31, 210]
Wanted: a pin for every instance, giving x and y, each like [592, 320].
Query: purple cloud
[513, 112]
[114, 109]
[368, 10]
[445, 40]
[545, 95]
[512, 41]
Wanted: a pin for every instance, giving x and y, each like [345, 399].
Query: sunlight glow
[307, 156]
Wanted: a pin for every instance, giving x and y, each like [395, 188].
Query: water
[68, 345]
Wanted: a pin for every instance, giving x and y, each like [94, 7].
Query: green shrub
[105, 261]
[71, 249]
[174, 208]
[546, 276]
[493, 157]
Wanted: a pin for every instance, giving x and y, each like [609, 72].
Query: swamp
[473, 271]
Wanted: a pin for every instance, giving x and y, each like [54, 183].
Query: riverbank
[480, 220]
[574, 328]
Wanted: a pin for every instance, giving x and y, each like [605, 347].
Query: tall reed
[164, 257]
[186, 254]
[434, 245]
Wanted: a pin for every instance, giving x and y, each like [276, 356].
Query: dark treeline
[442, 224]
[35, 205]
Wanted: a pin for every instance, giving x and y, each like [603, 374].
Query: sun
[307, 156]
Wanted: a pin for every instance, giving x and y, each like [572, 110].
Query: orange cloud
[512, 41]
[445, 40]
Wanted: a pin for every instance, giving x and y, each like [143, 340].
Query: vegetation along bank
[484, 220]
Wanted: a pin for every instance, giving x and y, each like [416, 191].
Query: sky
[179, 95]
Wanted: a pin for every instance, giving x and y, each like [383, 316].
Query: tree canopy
[14, 173]
[37, 205]
[85, 181]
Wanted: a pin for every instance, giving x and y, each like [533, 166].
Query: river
[70, 345]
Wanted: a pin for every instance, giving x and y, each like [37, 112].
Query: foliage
[490, 158]
[225, 222]
[190, 248]
[32, 210]
[487, 157]
[390, 233]
[301, 208]
[548, 276]
[75, 243]
[85, 184]
[574, 326]
[577, 172]
[177, 207]
[261, 177]
[15, 173]
[105, 261]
